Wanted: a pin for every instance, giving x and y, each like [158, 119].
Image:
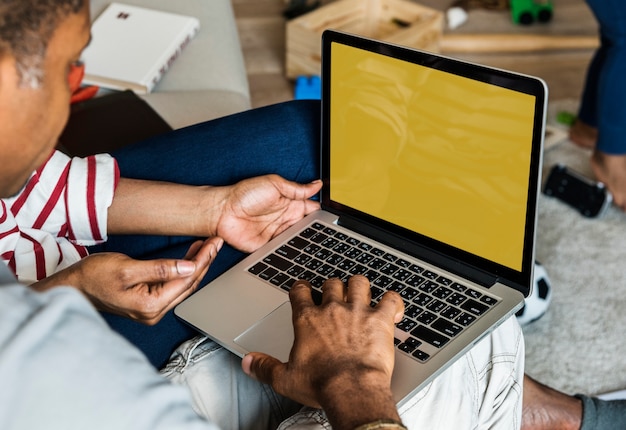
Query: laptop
[431, 171]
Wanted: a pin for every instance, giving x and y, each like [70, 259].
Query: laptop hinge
[421, 252]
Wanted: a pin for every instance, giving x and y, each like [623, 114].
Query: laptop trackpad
[272, 335]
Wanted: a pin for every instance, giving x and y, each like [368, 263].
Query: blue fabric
[282, 139]
[603, 102]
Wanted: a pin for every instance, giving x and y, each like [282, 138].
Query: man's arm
[343, 354]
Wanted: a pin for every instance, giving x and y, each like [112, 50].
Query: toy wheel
[544, 15]
[526, 18]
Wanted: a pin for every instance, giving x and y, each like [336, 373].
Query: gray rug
[579, 345]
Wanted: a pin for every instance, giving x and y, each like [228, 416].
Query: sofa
[208, 80]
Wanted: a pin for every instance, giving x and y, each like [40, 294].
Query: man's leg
[222, 392]
[481, 390]
[282, 139]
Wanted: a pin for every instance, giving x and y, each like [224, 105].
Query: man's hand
[260, 208]
[141, 290]
[343, 353]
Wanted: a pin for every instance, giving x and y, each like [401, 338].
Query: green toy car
[526, 12]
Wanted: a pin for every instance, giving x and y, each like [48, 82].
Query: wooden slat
[262, 33]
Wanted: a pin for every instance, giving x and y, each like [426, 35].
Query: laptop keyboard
[437, 308]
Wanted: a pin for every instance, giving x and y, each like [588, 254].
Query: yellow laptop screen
[436, 153]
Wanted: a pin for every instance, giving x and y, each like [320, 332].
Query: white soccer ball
[536, 304]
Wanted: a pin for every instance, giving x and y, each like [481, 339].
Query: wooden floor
[262, 33]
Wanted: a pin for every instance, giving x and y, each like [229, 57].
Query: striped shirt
[62, 209]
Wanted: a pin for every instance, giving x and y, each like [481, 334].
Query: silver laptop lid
[435, 156]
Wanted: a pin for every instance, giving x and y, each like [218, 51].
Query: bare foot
[545, 408]
[583, 135]
[611, 170]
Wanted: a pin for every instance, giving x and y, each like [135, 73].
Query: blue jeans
[282, 139]
[603, 102]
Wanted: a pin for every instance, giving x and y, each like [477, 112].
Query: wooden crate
[400, 22]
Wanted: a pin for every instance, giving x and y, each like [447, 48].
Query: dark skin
[361, 361]
[545, 408]
[335, 341]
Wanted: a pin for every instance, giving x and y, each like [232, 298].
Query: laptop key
[389, 269]
[446, 327]
[403, 263]
[314, 264]
[430, 274]
[450, 312]
[346, 264]
[429, 286]
[279, 279]
[412, 311]
[288, 252]
[436, 306]
[334, 259]
[257, 268]
[307, 232]
[325, 270]
[390, 257]
[295, 271]
[420, 355]
[364, 258]
[442, 292]
[298, 242]
[341, 247]
[302, 259]
[317, 281]
[406, 325]
[268, 273]
[422, 299]
[402, 275]
[415, 280]
[278, 262]
[465, 319]
[473, 293]
[406, 347]
[456, 299]
[341, 236]
[330, 242]
[426, 317]
[444, 281]
[474, 307]
[430, 336]
[376, 263]
[323, 254]
[318, 238]
[365, 246]
[352, 241]
[488, 300]
[458, 287]
[415, 268]
[382, 281]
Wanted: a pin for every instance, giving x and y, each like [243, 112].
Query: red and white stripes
[61, 209]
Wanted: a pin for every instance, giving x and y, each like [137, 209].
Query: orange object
[75, 78]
